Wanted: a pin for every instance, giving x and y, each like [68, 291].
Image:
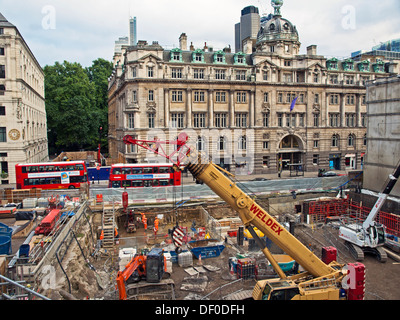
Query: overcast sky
[82, 31]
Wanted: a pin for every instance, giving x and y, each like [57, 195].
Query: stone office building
[239, 107]
[23, 123]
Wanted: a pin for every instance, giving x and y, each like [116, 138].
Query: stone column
[189, 108]
[210, 108]
[232, 108]
[166, 108]
[342, 109]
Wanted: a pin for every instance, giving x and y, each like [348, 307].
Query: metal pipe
[24, 288]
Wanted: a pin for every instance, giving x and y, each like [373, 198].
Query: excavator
[319, 281]
[149, 267]
[369, 237]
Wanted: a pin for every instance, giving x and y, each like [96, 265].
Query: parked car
[329, 174]
[260, 179]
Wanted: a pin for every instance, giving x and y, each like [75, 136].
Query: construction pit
[77, 263]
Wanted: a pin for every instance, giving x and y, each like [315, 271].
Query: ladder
[108, 228]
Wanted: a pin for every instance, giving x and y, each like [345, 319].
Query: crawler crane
[319, 281]
[370, 235]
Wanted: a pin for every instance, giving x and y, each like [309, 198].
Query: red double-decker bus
[143, 175]
[51, 175]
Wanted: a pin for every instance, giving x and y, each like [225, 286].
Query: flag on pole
[293, 104]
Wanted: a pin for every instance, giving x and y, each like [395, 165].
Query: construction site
[187, 242]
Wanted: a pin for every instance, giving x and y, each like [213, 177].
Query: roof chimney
[183, 42]
[312, 50]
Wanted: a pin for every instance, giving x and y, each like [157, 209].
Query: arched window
[201, 143]
[221, 143]
[335, 140]
[351, 140]
[242, 143]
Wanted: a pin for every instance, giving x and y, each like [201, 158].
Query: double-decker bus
[143, 175]
[51, 175]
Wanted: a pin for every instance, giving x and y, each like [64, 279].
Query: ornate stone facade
[23, 128]
[240, 107]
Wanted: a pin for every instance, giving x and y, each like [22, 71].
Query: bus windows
[137, 184]
[116, 184]
[147, 170]
[79, 167]
[156, 183]
[41, 168]
[164, 182]
[147, 183]
[126, 183]
[164, 170]
[69, 168]
[136, 170]
[116, 171]
[126, 170]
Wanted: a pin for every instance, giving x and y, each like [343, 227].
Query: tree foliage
[76, 105]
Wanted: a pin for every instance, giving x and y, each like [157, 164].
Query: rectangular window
[265, 96]
[2, 71]
[131, 121]
[363, 120]
[334, 119]
[349, 79]
[266, 161]
[177, 96]
[315, 159]
[241, 97]
[316, 119]
[1, 30]
[176, 56]
[287, 78]
[241, 120]
[265, 75]
[134, 96]
[151, 95]
[350, 120]
[150, 72]
[1, 51]
[220, 120]
[220, 96]
[177, 120]
[198, 57]
[301, 119]
[198, 73]
[199, 96]
[265, 120]
[240, 74]
[334, 99]
[176, 73]
[2, 110]
[350, 99]
[280, 97]
[220, 74]
[199, 120]
[280, 119]
[151, 120]
[3, 135]
[265, 144]
[134, 72]
[333, 79]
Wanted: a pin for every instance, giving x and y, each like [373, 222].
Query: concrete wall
[383, 133]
